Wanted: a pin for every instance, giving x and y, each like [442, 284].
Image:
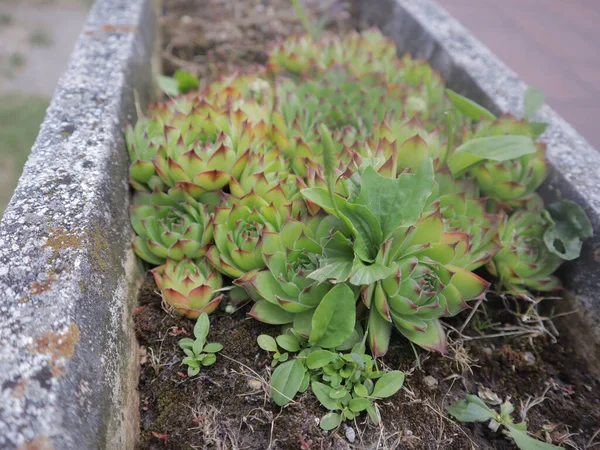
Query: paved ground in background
[552, 44]
[36, 39]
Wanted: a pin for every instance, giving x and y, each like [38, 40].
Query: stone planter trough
[68, 276]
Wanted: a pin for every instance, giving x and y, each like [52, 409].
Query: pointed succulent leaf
[267, 312]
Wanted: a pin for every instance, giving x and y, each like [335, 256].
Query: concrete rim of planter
[68, 277]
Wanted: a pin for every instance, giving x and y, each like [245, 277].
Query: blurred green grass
[20, 119]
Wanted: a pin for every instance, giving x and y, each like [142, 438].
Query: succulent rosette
[189, 286]
[425, 285]
[283, 292]
[511, 181]
[463, 214]
[170, 226]
[239, 233]
[524, 260]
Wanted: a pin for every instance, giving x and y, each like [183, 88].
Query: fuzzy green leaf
[209, 359]
[186, 343]
[468, 107]
[534, 100]
[287, 342]
[569, 227]
[334, 318]
[319, 358]
[526, 442]
[213, 347]
[330, 421]
[267, 343]
[323, 394]
[396, 202]
[202, 326]
[286, 381]
[495, 148]
[359, 404]
[471, 409]
[388, 384]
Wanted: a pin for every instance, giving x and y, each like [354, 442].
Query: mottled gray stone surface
[426, 30]
[68, 277]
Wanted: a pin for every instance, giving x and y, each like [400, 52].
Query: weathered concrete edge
[426, 30]
[68, 277]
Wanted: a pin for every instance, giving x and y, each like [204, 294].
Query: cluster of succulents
[342, 164]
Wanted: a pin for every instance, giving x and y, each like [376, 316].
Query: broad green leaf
[569, 227]
[338, 393]
[526, 442]
[289, 343]
[330, 421]
[209, 359]
[185, 81]
[334, 318]
[168, 85]
[388, 384]
[495, 148]
[319, 358]
[396, 202]
[193, 371]
[267, 343]
[468, 107]
[359, 404]
[358, 218]
[537, 128]
[186, 343]
[360, 390]
[364, 275]
[471, 409]
[213, 347]
[534, 100]
[337, 262]
[322, 392]
[286, 381]
[202, 326]
[353, 340]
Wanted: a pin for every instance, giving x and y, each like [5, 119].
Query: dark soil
[227, 405]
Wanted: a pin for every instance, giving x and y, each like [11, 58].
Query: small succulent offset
[189, 287]
[198, 352]
[474, 409]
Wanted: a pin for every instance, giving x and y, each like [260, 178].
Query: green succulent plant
[524, 260]
[172, 226]
[239, 232]
[190, 287]
[514, 180]
[283, 292]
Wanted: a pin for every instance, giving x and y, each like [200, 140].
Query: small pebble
[350, 434]
[487, 351]
[430, 382]
[255, 384]
[528, 356]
